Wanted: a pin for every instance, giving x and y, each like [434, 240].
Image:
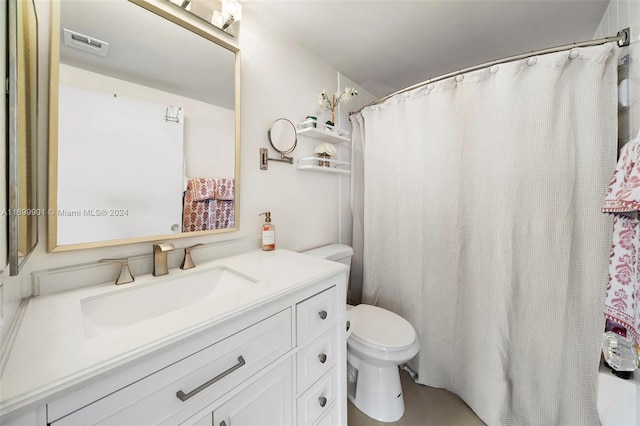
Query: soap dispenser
[268, 233]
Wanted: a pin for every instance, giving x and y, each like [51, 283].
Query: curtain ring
[532, 61]
[430, 86]
[494, 69]
[573, 54]
[459, 78]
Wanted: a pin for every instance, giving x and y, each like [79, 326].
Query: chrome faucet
[160, 258]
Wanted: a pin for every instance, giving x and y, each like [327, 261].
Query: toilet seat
[381, 329]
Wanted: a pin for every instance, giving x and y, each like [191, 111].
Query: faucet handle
[163, 247]
[187, 262]
[125, 274]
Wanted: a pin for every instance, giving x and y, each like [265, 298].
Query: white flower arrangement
[331, 103]
[325, 149]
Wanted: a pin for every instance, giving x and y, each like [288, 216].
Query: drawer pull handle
[323, 401]
[184, 396]
[322, 314]
[322, 358]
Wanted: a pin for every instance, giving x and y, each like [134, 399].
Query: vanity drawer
[319, 399]
[316, 315]
[315, 359]
[332, 418]
[183, 388]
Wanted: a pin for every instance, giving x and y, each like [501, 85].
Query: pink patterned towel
[208, 204]
[202, 188]
[623, 200]
[623, 195]
[224, 189]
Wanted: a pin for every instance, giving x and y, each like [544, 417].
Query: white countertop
[51, 352]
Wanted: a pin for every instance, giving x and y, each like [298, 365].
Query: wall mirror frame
[22, 132]
[163, 10]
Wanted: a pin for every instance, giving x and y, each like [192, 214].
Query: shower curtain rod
[623, 37]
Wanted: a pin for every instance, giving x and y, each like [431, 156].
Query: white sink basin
[128, 306]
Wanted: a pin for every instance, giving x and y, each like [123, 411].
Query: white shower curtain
[482, 227]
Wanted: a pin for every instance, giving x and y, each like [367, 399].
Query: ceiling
[385, 46]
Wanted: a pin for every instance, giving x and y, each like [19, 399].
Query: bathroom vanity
[257, 338]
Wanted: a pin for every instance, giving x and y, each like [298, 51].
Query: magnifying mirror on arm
[283, 138]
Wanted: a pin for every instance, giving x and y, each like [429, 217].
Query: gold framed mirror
[22, 88]
[144, 127]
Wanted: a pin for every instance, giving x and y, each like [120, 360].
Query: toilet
[379, 342]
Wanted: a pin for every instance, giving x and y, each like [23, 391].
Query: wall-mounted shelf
[322, 131]
[312, 163]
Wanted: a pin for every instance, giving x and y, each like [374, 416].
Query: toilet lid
[381, 328]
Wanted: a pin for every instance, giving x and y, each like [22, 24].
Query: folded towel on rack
[224, 189]
[201, 188]
[209, 204]
[623, 201]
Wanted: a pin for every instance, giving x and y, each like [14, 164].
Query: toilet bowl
[379, 341]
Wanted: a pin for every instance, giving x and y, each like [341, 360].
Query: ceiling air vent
[86, 43]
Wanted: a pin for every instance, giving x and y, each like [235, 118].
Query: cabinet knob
[323, 401]
[322, 314]
[322, 358]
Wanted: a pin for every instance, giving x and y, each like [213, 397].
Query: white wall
[619, 15]
[279, 79]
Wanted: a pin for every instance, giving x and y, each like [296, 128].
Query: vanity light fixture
[231, 12]
[185, 4]
[85, 43]
[222, 14]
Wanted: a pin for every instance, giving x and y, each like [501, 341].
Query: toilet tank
[337, 252]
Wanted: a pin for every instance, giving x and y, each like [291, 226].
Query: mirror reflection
[22, 99]
[144, 144]
[283, 136]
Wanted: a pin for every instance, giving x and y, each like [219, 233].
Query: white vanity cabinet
[318, 372]
[276, 363]
[266, 402]
[171, 394]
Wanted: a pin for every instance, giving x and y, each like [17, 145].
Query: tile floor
[424, 406]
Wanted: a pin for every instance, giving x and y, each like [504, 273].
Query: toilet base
[378, 392]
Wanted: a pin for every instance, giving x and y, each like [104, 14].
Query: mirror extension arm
[264, 159]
